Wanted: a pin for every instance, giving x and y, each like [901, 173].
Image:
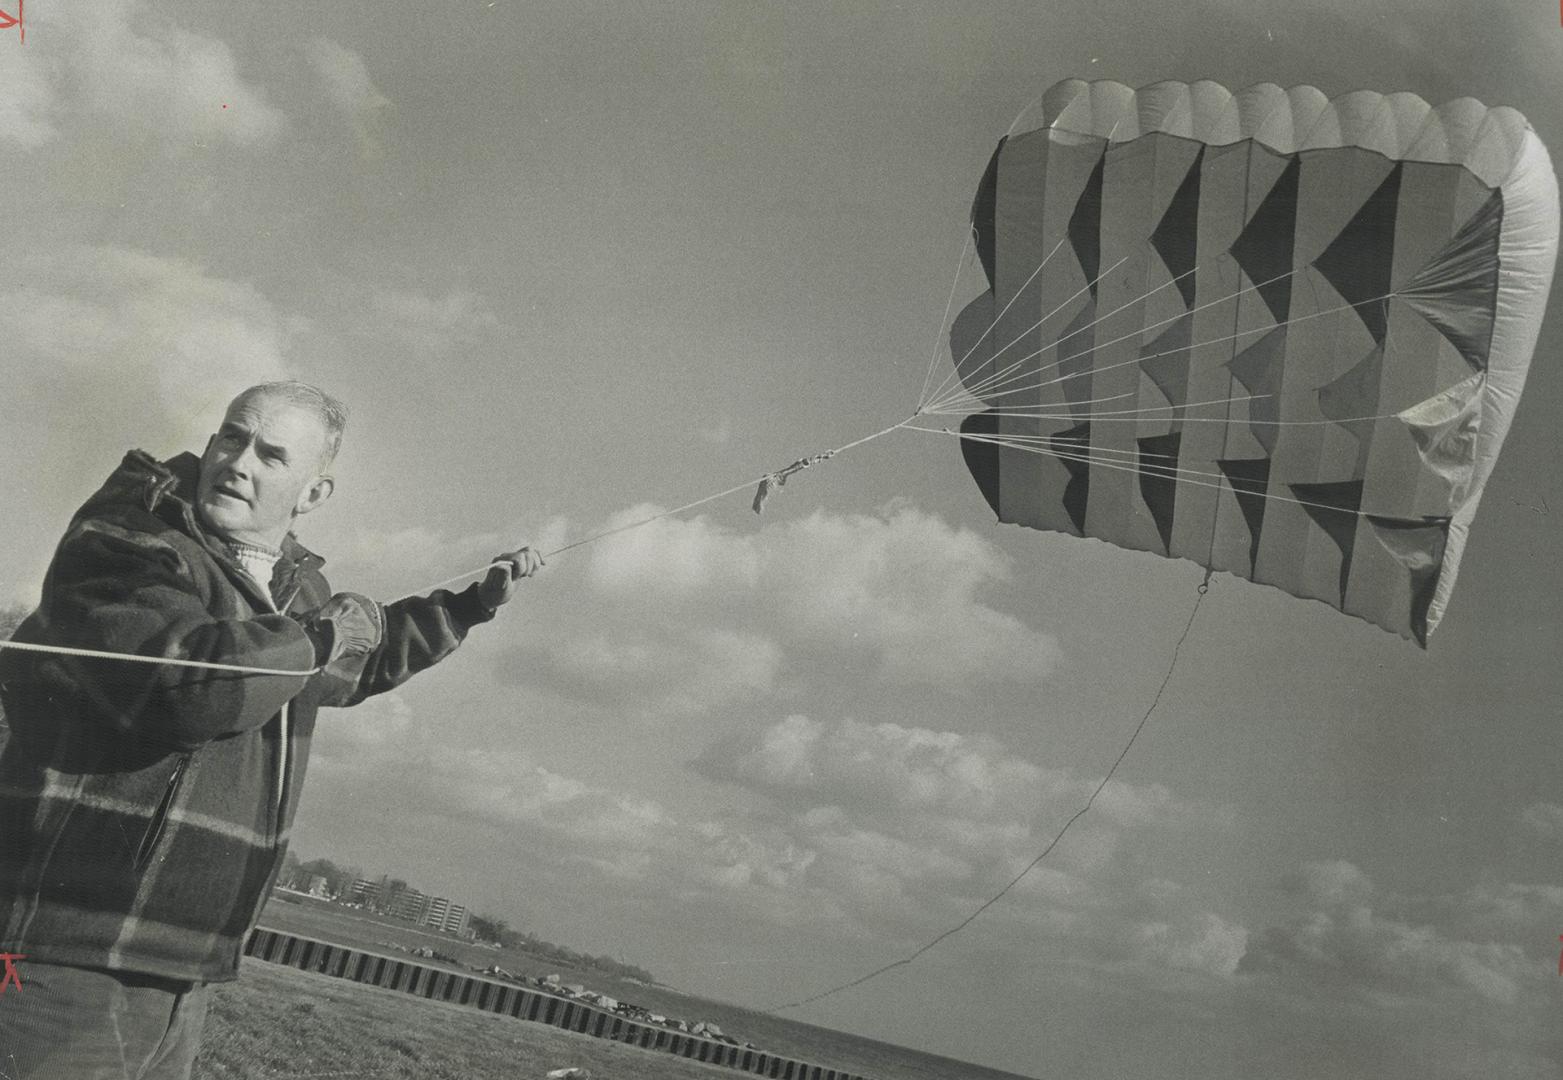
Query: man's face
[261, 468]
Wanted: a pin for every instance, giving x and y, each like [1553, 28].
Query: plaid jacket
[144, 809]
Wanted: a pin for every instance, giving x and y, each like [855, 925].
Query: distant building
[441, 914]
[317, 885]
[434, 911]
[409, 904]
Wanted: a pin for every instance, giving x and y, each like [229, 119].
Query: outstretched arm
[421, 631]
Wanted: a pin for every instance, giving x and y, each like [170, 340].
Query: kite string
[594, 537]
[998, 382]
[1204, 588]
[999, 377]
[1004, 378]
[954, 377]
[103, 654]
[955, 374]
[244, 669]
[938, 339]
[1067, 377]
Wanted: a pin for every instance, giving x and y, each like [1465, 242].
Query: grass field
[277, 1023]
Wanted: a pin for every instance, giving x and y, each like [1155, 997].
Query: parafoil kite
[1276, 334]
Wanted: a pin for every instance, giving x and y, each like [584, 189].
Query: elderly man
[145, 808]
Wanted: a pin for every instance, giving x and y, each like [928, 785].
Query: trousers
[68, 1023]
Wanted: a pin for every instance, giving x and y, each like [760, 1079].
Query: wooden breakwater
[522, 1002]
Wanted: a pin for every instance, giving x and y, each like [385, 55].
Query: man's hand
[345, 629]
[508, 568]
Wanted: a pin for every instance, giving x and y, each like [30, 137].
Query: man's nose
[243, 462]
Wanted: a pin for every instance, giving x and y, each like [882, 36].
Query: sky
[574, 263]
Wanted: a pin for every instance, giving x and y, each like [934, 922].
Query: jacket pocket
[159, 820]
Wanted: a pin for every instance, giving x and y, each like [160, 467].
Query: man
[145, 808]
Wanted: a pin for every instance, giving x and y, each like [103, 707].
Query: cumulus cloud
[520, 810]
[1544, 819]
[886, 767]
[507, 790]
[1202, 942]
[345, 79]
[138, 342]
[1347, 937]
[123, 349]
[1329, 884]
[676, 669]
[122, 61]
[878, 833]
[900, 596]
[913, 826]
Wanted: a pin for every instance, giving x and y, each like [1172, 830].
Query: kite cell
[1274, 334]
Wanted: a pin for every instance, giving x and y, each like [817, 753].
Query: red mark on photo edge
[8, 21]
[11, 974]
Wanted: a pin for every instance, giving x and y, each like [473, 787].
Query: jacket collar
[167, 489]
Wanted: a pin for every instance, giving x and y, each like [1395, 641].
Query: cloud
[1544, 819]
[1495, 910]
[887, 767]
[1349, 938]
[507, 790]
[899, 597]
[147, 347]
[345, 79]
[428, 325]
[1334, 883]
[880, 834]
[414, 549]
[1202, 942]
[382, 720]
[650, 673]
[122, 61]
[123, 349]
[522, 812]
[29, 105]
[911, 828]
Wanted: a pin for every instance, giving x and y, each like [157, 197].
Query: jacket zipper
[159, 820]
[282, 732]
[282, 777]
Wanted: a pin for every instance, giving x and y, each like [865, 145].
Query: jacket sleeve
[420, 631]
[123, 590]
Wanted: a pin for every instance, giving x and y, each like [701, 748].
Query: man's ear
[314, 494]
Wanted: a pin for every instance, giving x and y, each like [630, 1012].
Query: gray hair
[331, 412]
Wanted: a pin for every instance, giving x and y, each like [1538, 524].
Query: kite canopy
[1268, 332]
